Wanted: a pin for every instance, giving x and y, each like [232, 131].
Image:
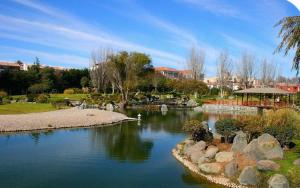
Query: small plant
[3, 94]
[284, 134]
[42, 98]
[69, 91]
[227, 127]
[197, 131]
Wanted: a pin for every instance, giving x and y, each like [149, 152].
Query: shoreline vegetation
[66, 118]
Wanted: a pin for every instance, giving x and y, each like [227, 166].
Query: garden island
[199, 94]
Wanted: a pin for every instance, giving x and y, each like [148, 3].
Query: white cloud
[76, 35]
[296, 3]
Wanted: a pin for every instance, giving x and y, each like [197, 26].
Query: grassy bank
[22, 108]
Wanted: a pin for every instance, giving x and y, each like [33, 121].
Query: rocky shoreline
[68, 118]
[237, 165]
[220, 180]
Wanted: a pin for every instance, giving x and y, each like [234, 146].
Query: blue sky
[63, 33]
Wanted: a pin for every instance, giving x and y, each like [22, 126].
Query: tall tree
[246, 69]
[124, 70]
[224, 71]
[290, 34]
[98, 68]
[268, 72]
[195, 63]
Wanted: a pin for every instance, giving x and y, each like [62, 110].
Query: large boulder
[211, 151]
[278, 181]
[191, 103]
[199, 146]
[249, 176]
[252, 152]
[202, 160]
[196, 155]
[231, 169]
[109, 107]
[267, 165]
[210, 168]
[270, 147]
[296, 162]
[239, 142]
[224, 156]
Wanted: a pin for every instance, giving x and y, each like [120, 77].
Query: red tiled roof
[185, 72]
[165, 69]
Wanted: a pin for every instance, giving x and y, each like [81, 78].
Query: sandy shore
[217, 179]
[59, 119]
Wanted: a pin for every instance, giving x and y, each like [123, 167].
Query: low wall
[235, 109]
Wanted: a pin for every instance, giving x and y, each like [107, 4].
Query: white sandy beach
[67, 118]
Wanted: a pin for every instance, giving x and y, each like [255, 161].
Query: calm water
[124, 155]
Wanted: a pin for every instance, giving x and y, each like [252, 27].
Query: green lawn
[22, 108]
[59, 96]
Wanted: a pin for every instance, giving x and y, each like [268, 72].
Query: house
[9, 66]
[293, 88]
[167, 72]
[186, 74]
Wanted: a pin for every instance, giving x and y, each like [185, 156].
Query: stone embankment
[235, 109]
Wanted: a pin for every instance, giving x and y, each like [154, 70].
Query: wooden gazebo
[277, 95]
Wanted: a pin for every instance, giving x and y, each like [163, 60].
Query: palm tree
[290, 34]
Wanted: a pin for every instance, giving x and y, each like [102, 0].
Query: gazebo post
[274, 99]
[237, 100]
[260, 99]
[247, 98]
[289, 99]
[242, 98]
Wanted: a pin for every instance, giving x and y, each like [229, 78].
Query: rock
[224, 156]
[249, 176]
[210, 168]
[196, 155]
[199, 146]
[189, 142]
[264, 147]
[231, 169]
[239, 142]
[270, 147]
[266, 165]
[191, 103]
[252, 152]
[202, 160]
[180, 147]
[278, 181]
[296, 162]
[205, 125]
[109, 107]
[198, 109]
[211, 151]
[164, 108]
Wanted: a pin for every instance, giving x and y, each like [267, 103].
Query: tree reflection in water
[122, 142]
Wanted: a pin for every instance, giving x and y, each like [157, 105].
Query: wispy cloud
[69, 36]
[216, 7]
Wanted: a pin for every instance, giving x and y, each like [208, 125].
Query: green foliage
[284, 134]
[227, 127]
[84, 81]
[214, 91]
[22, 108]
[38, 88]
[31, 97]
[189, 86]
[42, 98]
[60, 103]
[253, 125]
[197, 131]
[290, 33]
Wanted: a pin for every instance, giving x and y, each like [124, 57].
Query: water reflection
[122, 143]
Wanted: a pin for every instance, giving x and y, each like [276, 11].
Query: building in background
[294, 88]
[23, 66]
[174, 73]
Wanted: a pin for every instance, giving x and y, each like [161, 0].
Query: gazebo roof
[265, 90]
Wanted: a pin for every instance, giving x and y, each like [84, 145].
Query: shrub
[197, 131]
[69, 91]
[38, 88]
[253, 125]
[284, 134]
[31, 97]
[3, 94]
[42, 98]
[227, 127]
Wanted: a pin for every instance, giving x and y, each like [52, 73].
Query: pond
[130, 154]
